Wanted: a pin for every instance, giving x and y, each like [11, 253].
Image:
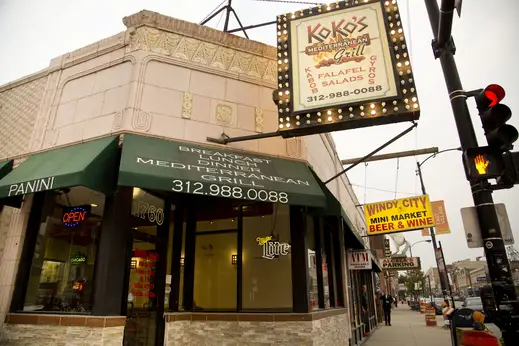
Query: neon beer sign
[272, 249]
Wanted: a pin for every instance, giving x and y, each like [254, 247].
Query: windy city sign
[343, 65]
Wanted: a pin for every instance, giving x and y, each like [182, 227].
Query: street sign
[473, 232]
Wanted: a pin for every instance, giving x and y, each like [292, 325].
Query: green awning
[333, 206]
[91, 164]
[5, 167]
[189, 168]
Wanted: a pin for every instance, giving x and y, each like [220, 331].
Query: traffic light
[483, 163]
[494, 115]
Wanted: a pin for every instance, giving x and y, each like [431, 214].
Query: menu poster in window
[145, 268]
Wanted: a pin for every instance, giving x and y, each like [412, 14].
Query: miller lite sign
[359, 260]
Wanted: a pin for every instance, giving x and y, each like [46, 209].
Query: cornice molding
[204, 33]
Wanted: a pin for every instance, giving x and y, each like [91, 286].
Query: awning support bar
[224, 139]
[394, 139]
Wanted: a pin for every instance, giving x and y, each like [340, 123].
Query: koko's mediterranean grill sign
[344, 65]
[398, 215]
[400, 263]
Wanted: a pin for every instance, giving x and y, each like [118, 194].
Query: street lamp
[421, 241]
[444, 281]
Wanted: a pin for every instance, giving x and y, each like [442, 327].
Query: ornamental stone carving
[118, 121]
[141, 121]
[223, 114]
[293, 147]
[187, 105]
[258, 119]
[214, 55]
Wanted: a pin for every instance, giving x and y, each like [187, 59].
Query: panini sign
[400, 263]
[343, 65]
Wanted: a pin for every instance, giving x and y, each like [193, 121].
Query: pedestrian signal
[483, 163]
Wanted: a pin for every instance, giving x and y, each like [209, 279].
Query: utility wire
[383, 190]
[213, 11]
[293, 2]
[397, 170]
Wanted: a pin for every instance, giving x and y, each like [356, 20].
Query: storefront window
[312, 264]
[326, 283]
[266, 257]
[215, 281]
[62, 269]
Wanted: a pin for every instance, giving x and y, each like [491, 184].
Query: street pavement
[408, 329]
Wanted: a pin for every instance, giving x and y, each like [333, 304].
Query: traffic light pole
[432, 233]
[505, 296]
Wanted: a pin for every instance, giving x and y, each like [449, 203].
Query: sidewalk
[408, 329]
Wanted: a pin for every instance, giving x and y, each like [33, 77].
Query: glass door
[146, 270]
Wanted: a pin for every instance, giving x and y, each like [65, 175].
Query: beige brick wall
[44, 335]
[19, 107]
[12, 234]
[331, 331]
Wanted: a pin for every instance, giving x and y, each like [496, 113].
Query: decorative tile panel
[19, 109]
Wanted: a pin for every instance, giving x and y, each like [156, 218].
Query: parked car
[476, 304]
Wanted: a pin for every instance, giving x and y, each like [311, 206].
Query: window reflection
[62, 271]
[266, 257]
[312, 264]
[215, 279]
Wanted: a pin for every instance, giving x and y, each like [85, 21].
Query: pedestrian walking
[364, 306]
[387, 302]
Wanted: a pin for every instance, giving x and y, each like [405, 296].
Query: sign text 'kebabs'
[398, 215]
[343, 65]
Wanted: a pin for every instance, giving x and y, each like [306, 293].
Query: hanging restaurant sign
[399, 215]
[400, 263]
[73, 216]
[343, 65]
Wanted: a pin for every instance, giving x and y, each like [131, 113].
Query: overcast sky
[36, 31]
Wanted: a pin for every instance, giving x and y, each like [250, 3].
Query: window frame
[41, 201]
[299, 262]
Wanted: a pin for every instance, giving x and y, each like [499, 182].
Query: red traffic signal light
[491, 96]
[494, 116]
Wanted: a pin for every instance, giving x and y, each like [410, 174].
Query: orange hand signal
[481, 164]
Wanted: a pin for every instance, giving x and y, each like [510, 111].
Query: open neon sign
[75, 215]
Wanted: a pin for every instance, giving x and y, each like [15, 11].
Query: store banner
[400, 263]
[440, 219]
[343, 65]
[400, 215]
[359, 260]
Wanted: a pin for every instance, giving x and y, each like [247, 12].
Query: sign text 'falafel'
[398, 215]
[344, 65]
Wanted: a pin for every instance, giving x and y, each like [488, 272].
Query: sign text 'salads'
[343, 65]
